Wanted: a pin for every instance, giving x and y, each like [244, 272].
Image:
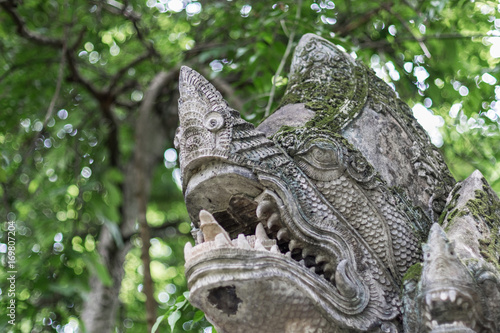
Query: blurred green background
[88, 103]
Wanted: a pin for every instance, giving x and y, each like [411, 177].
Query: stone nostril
[224, 299]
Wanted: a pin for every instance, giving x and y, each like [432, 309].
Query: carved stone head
[300, 225]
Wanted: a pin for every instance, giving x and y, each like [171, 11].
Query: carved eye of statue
[320, 160]
[322, 155]
[213, 121]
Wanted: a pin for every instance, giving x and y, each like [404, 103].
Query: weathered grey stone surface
[349, 99]
[458, 290]
[314, 221]
[294, 115]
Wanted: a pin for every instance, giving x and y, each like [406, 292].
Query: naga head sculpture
[311, 221]
[458, 289]
[295, 230]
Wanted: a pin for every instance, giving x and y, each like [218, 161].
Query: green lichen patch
[486, 207]
[450, 210]
[332, 85]
[413, 273]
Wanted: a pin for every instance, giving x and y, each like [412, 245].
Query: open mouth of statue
[245, 257]
[257, 243]
[450, 310]
[234, 212]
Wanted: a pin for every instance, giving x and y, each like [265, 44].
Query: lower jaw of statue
[245, 260]
[449, 309]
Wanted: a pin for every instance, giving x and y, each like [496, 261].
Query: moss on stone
[336, 101]
[450, 208]
[413, 273]
[486, 207]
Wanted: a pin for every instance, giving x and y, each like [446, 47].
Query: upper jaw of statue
[265, 235]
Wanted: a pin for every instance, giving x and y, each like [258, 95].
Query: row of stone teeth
[268, 211]
[216, 237]
[448, 327]
[444, 295]
[432, 323]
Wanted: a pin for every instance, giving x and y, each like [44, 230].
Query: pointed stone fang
[283, 235]
[260, 233]
[188, 249]
[329, 268]
[242, 242]
[275, 249]
[321, 259]
[263, 208]
[273, 221]
[453, 295]
[293, 245]
[210, 227]
[307, 252]
[222, 240]
[259, 246]
[428, 299]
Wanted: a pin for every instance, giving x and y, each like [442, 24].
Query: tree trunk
[100, 308]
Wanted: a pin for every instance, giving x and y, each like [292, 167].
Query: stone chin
[267, 258]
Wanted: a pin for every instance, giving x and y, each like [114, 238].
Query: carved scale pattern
[337, 88]
[322, 75]
[237, 142]
[354, 190]
[249, 147]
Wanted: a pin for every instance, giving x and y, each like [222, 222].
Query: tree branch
[60, 74]
[114, 80]
[145, 153]
[129, 105]
[23, 31]
[50, 109]
[283, 59]
[77, 77]
[116, 8]
[383, 42]
[360, 20]
[31, 62]
[408, 28]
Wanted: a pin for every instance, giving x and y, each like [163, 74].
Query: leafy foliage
[74, 74]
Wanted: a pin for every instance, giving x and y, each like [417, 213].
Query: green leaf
[157, 323]
[173, 318]
[199, 315]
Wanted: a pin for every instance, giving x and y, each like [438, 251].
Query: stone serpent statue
[335, 214]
